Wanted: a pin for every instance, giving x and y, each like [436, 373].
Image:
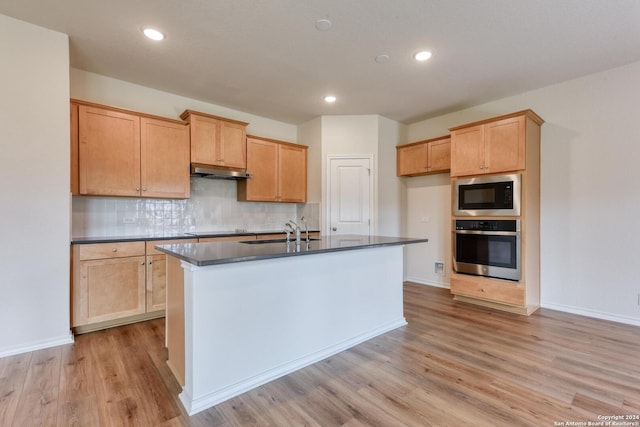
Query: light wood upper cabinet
[262, 163]
[279, 172]
[439, 155]
[164, 149]
[109, 152]
[292, 173]
[122, 153]
[217, 141]
[75, 146]
[424, 157]
[491, 146]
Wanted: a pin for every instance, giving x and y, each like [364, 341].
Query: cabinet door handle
[114, 250]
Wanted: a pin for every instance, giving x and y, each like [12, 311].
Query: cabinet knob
[150, 262]
[137, 188]
[142, 263]
[144, 188]
[114, 250]
[483, 290]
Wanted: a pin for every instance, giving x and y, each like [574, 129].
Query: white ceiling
[267, 58]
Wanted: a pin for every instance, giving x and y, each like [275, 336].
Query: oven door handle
[488, 233]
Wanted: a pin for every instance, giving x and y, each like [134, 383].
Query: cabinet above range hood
[216, 172]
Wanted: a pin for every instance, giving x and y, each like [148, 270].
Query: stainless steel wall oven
[489, 248]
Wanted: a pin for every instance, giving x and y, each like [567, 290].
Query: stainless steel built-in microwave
[495, 195]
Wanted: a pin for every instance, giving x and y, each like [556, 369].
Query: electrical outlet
[438, 268]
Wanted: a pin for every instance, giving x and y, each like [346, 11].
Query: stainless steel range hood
[214, 172]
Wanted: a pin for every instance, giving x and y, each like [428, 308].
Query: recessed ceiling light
[324, 24]
[330, 99]
[153, 34]
[423, 55]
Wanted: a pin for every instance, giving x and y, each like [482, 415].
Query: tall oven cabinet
[508, 144]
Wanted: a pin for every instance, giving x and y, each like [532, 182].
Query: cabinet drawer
[151, 250]
[110, 250]
[488, 289]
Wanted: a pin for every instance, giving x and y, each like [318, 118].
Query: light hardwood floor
[452, 365]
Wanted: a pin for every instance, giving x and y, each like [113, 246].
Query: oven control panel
[488, 225]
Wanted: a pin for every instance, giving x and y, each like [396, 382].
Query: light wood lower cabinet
[108, 282]
[117, 283]
[156, 274]
[490, 290]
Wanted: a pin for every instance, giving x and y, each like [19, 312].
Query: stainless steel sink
[261, 241]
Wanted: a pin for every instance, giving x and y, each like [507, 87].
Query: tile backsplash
[212, 207]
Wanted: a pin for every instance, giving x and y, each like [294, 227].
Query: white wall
[428, 215]
[365, 135]
[117, 93]
[391, 192]
[351, 135]
[310, 134]
[590, 188]
[34, 183]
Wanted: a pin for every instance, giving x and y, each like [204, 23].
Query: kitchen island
[242, 314]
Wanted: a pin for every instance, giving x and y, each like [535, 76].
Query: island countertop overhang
[205, 254]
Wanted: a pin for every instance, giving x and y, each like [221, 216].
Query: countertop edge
[274, 255]
[182, 236]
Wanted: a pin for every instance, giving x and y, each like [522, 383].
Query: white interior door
[350, 196]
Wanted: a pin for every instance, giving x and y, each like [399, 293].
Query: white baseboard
[559, 307]
[36, 345]
[421, 281]
[591, 313]
[193, 406]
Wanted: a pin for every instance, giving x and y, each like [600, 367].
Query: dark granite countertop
[203, 254]
[188, 235]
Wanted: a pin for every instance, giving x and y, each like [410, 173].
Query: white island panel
[248, 323]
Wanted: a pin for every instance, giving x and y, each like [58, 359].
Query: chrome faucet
[306, 227]
[296, 228]
[288, 228]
